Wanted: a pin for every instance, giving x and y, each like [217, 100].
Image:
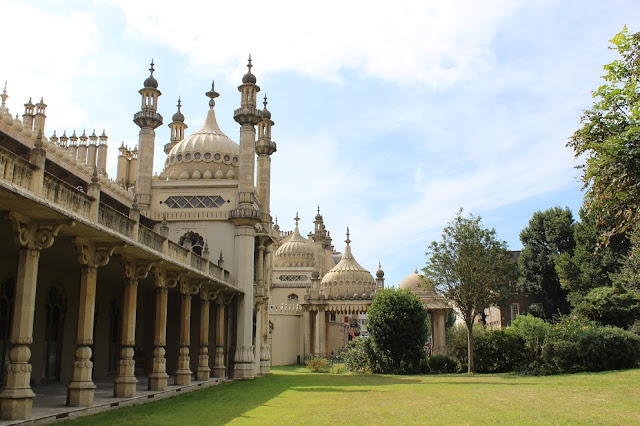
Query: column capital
[134, 270]
[33, 234]
[189, 289]
[91, 255]
[209, 294]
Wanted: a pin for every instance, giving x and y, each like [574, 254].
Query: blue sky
[390, 116]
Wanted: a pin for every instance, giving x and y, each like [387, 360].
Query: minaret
[245, 216]
[177, 127]
[82, 147]
[379, 278]
[264, 148]
[40, 117]
[102, 153]
[4, 96]
[92, 149]
[27, 117]
[72, 148]
[148, 120]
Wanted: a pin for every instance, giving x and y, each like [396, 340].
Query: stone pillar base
[265, 366]
[16, 407]
[203, 373]
[125, 387]
[183, 377]
[242, 370]
[219, 371]
[158, 381]
[80, 394]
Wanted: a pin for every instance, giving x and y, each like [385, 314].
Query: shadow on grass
[221, 404]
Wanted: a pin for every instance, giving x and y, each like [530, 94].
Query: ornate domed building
[436, 306]
[319, 297]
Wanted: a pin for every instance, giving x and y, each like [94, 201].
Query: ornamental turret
[3, 106]
[177, 127]
[92, 150]
[72, 148]
[28, 116]
[148, 120]
[81, 155]
[101, 162]
[264, 148]
[40, 116]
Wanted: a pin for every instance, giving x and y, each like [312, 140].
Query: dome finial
[4, 96]
[265, 100]
[152, 69]
[212, 94]
[179, 103]
[348, 241]
[415, 271]
[249, 64]
[296, 219]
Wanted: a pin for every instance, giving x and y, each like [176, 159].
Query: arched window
[55, 311]
[193, 242]
[7, 289]
[292, 298]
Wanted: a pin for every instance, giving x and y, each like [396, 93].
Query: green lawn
[292, 395]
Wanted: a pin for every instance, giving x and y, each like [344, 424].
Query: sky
[391, 116]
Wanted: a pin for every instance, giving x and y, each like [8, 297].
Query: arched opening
[192, 241]
[292, 298]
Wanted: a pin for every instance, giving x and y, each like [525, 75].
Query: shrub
[318, 365]
[397, 326]
[338, 369]
[533, 331]
[495, 351]
[575, 345]
[358, 356]
[442, 364]
[611, 306]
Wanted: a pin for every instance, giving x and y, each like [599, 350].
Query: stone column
[256, 346]
[306, 323]
[183, 373]
[204, 372]
[158, 378]
[125, 382]
[219, 369]
[81, 389]
[438, 326]
[322, 332]
[16, 399]
[265, 348]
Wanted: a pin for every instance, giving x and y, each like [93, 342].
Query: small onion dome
[178, 116]
[249, 78]
[297, 251]
[265, 112]
[379, 272]
[414, 283]
[151, 81]
[318, 216]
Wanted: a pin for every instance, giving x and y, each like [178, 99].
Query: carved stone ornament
[35, 235]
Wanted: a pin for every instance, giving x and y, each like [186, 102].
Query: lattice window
[293, 277]
[194, 202]
[515, 310]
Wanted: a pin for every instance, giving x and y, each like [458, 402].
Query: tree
[609, 139]
[396, 321]
[591, 265]
[548, 235]
[611, 306]
[471, 268]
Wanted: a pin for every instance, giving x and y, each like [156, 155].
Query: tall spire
[4, 96]
[348, 241]
[296, 219]
[212, 94]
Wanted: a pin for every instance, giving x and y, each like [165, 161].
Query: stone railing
[286, 308]
[179, 253]
[150, 239]
[14, 169]
[66, 196]
[113, 219]
[199, 263]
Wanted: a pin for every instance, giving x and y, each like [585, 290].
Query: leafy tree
[471, 268]
[609, 139]
[611, 306]
[548, 235]
[591, 265]
[396, 321]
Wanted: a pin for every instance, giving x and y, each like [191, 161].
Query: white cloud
[431, 43]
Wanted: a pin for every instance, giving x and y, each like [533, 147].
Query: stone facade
[139, 275]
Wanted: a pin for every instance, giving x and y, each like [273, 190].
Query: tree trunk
[470, 346]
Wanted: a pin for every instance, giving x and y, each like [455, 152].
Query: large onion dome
[297, 251]
[206, 154]
[348, 280]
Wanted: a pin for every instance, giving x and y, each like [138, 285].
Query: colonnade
[16, 399]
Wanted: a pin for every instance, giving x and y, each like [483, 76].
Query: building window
[515, 310]
[293, 277]
[55, 311]
[194, 202]
[292, 298]
[192, 241]
[332, 317]
[6, 312]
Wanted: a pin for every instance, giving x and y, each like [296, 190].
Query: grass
[292, 395]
